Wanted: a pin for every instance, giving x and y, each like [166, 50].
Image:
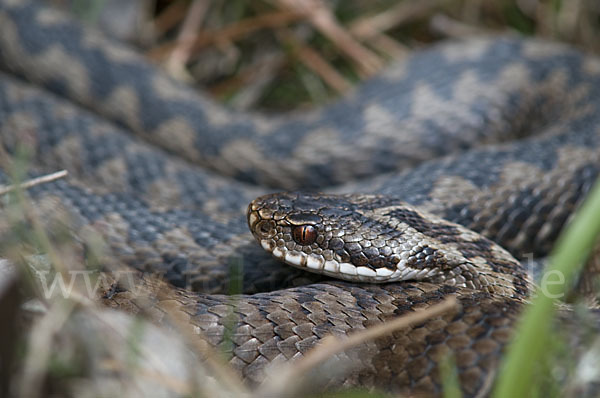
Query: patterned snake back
[498, 135]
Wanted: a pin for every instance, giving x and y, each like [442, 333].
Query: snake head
[372, 238]
[351, 237]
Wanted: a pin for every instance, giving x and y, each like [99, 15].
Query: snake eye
[304, 234]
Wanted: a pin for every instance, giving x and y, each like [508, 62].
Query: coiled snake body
[166, 176]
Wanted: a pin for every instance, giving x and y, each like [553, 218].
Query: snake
[432, 179]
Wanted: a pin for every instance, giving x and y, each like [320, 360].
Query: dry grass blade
[178, 386]
[449, 27]
[405, 11]
[118, 332]
[312, 60]
[323, 20]
[34, 181]
[39, 232]
[185, 40]
[248, 84]
[231, 32]
[44, 330]
[39, 347]
[150, 290]
[223, 372]
[169, 17]
[387, 45]
[288, 381]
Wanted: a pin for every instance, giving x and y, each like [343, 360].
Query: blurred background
[276, 55]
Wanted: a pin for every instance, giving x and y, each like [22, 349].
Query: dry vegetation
[282, 54]
[285, 54]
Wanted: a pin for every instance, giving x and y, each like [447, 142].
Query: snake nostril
[266, 228]
[304, 234]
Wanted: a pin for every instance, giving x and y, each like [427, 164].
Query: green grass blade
[530, 343]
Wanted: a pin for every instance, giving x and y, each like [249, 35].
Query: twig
[312, 60]
[332, 345]
[34, 181]
[177, 385]
[5, 159]
[288, 379]
[406, 11]
[252, 81]
[185, 40]
[169, 17]
[40, 347]
[325, 22]
[31, 217]
[386, 45]
[232, 32]
[449, 27]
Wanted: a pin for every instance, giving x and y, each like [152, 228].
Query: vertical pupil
[304, 234]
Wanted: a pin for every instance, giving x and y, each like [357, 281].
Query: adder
[499, 135]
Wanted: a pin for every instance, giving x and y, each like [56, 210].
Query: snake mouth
[335, 268]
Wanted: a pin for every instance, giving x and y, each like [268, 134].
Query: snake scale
[499, 135]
